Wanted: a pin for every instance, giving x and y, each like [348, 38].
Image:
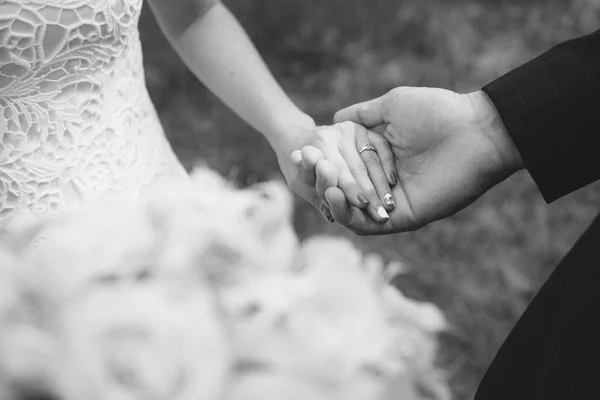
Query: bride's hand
[360, 163]
[296, 136]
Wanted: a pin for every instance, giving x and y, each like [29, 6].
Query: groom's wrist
[489, 122]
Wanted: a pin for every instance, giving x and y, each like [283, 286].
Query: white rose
[141, 342]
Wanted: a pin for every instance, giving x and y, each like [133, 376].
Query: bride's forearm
[217, 49]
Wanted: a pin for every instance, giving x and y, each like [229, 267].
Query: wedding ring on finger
[372, 163]
[367, 146]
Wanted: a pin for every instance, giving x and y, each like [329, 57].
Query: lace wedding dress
[76, 121]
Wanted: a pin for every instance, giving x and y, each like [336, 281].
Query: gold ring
[367, 146]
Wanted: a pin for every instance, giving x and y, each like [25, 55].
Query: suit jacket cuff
[551, 109]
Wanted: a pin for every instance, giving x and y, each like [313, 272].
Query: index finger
[368, 114]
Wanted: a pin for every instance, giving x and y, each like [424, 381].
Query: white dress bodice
[76, 121]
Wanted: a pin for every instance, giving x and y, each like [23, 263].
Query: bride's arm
[218, 51]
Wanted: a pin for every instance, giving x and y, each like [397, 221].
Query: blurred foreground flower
[197, 290]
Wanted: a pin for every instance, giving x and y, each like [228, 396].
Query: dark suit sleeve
[551, 109]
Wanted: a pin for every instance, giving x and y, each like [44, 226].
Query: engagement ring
[367, 146]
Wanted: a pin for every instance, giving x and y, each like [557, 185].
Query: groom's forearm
[551, 109]
[219, 52]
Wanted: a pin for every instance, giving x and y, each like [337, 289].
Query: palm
[443, 160]
[437, 155]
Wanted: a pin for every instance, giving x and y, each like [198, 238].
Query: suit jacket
[551, 109]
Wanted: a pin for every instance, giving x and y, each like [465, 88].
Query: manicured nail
[393, 178]
[382, 213]
[363, 199]
[389, 200]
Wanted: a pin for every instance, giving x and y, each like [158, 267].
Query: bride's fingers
[296, 158]
[360, 172]
[373, 163]
[326, 178]
[345, 180]
[310, 157]
[354, 218]
[308, 176]
[348, 184]
[386, 157]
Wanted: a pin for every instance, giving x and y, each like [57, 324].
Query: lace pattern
[76, 120]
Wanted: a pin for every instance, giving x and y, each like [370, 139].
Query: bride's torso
[76, 121]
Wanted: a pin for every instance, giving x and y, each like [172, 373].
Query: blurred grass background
[482, 266]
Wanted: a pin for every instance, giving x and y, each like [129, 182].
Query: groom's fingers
[386, 157]
[369, 114]
[326, 178]
[380, 129]
[368, 173]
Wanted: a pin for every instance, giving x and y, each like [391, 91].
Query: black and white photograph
[299, 199]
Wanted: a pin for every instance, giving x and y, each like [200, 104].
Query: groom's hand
[450, 149]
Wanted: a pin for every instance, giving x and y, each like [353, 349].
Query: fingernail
[389, 200]
[382, 213]
[327, 214]
[393, 178]
[363, 199]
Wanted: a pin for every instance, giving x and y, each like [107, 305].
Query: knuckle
[398, 91]
[346, 126]
[321, 135]
[311, 155]
[322, 166]
[361, 170]
[325, 135]
[377, 140]
[344, 182]
[306, 150]
[371, 193]
[363, 111]
[343, 130]
[324, 171]
[394, 91]
[397, 95]
[371, 161]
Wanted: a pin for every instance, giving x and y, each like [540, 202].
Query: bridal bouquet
[199, 291]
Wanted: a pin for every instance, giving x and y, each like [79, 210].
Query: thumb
[369, 113]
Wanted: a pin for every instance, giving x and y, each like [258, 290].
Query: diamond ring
[367, 146]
